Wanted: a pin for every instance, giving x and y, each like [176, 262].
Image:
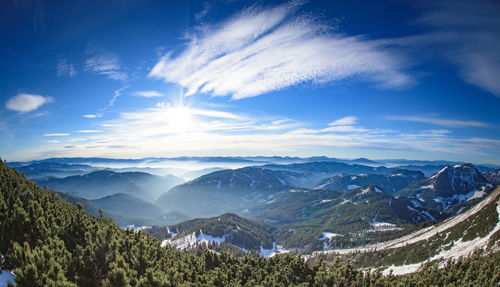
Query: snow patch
[299, 190]
[424, 233]
[352, 186]
[328, 235]
[382, 226]
[5, 277]
[277, 249]
[458, 249]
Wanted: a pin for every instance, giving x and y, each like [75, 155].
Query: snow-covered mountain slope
[450, 186]
[338, 212]
[229, 228]
[390, 182]
[475, 229]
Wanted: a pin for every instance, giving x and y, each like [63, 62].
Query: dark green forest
[47, 241]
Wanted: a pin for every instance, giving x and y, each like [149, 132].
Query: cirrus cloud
[262, 50]
[439, 121]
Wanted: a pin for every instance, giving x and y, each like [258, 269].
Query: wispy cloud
[104, 63]
[206, 8]
[92, 116]
[344, 121]
[116, 94]
[89, 131]
[439, 121]
[467, 34]
[56, 135]
[23, 103]
[167, 130]
[64, 68]
[148, 94]
[263, 50]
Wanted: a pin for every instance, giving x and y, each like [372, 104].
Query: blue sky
[128, 79]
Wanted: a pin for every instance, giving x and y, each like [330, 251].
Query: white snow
[181, 243]
[364, 191]
[430, 186]
[6, 276]
[426, 213]
[344, 201]
[172, 232]
[353, 177]
[205, 238]
[411, 208]
[377, 190]
[328, 235]
[458, 249]
[422, 234]
[277, 249]
[383, 226]
[477, 194]
[191, 240]
[299, 190]
[352, 186]
[416, 203]
[326, 200]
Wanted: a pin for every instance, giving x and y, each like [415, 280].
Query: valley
[303, 206]
[274, 211]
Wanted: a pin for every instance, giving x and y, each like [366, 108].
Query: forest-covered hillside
[47, 241]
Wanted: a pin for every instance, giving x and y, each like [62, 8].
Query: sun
[179, 118]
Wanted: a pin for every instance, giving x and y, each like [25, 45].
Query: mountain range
[358, 203]
[102, 183]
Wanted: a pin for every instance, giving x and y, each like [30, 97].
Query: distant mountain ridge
[106, 182]
[127, 210]
[390, 182]
[226, 191]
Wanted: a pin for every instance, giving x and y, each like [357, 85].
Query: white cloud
[116, 94]
[92, 116]
[467, 33]
[53, 141]
[104, 63]
[344, 121]
[439, 121]
[89, 131]
[26, 102]
[206, 8]
[263, 50]
[56, 135]
[112, 125]
[65, 69]
[148, 94]
[170, 130]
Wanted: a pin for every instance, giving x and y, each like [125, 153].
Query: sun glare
[179, 118]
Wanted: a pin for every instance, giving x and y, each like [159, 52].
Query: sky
[346, 79]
